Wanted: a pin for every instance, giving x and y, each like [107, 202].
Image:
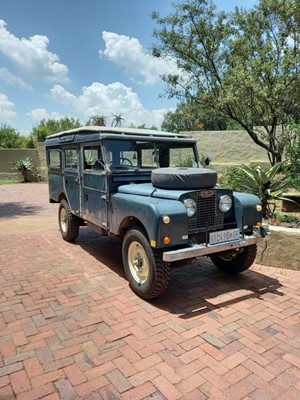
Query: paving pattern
[70, 328]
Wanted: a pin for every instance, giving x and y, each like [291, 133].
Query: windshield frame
[146, 154]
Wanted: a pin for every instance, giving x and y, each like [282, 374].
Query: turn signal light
[166, 240]
[258, 224]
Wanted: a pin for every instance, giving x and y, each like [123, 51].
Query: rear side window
[55, 159]
[71, 161]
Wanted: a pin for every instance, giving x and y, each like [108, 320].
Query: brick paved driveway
[70, 328]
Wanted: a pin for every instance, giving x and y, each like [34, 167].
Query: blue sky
[79, 58]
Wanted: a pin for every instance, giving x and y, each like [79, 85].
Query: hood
[148, 190]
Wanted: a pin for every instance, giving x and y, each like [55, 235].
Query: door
[94, 188]
[72, 178]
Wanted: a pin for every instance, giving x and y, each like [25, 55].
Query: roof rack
[120, 131]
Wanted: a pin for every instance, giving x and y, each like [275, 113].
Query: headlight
[225, 203]
[190, 206]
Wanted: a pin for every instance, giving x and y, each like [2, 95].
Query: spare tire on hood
[183, 178]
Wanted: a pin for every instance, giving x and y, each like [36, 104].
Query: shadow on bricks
[18, 209]
[201, 288]
[194, 290]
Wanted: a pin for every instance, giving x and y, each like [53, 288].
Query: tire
[183, 178]
[238, 263]
[148, 275]
[68, 223]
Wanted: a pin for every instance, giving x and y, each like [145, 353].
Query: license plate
[224, 236]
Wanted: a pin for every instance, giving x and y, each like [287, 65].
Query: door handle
[77, 180]
[86, 197]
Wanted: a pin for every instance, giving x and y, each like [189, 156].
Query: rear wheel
[68, 223]
[236, 263]
[148, 275]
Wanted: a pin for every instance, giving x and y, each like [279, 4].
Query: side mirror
[207, 161]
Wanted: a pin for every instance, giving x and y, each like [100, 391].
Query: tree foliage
[50, 126]
[10, 138]
[243, 65]
[189, 117]
[293, 155]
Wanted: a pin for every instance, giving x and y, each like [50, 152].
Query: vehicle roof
[129, 131]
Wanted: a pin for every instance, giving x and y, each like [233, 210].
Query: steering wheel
[125, 161]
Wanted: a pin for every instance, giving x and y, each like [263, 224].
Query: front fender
[150, 212]
[247, 210]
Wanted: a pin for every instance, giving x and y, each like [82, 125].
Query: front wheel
[68, 223]
[148, 275]
[234, 264]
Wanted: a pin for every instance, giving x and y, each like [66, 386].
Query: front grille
[207, 215]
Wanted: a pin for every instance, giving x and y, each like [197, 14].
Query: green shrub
[288, 218]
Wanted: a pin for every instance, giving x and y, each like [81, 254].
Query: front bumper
[199, 250]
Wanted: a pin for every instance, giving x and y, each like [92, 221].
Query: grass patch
[9, 181]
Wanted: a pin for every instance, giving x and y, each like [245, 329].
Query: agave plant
[267, 185]
[24, 166]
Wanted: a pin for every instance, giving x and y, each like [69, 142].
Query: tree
[189, 117]
[117, 120]
[143, 126]
[243, 65]
[50, 126]
[10, 138]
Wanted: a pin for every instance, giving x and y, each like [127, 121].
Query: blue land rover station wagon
[148, 188]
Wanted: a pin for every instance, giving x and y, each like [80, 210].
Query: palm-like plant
[117, 120]
[24, 166]
[267, 185]
[98, 120]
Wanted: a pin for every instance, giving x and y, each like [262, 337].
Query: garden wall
[7, 156]
[226, 148]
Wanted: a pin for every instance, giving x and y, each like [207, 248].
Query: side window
[90, 157]
[54, 159]
[71, 159]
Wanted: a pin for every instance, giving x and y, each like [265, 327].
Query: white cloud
[7, 112]
[129, 54]
[38, 114]
[115, 98]
[11, 79]
[32, 55]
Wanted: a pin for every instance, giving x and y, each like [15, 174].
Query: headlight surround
[225, 203]
[190, 206]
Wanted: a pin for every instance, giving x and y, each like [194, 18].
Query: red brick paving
[70, 328]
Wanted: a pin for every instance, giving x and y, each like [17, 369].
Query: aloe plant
[267, 185]
[24, 166]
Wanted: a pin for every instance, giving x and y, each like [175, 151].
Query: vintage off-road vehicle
[149, 188]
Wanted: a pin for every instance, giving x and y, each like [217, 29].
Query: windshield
[137, 154]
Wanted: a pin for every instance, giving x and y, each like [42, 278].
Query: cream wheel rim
[63, 220]
[138, 262]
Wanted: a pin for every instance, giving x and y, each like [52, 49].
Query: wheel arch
[130, 222]
[61, 197]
